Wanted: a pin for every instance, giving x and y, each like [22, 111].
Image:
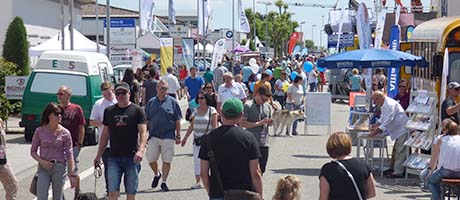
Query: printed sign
[346, 40]
[15, 86]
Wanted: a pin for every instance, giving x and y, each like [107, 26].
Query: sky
[222, 12]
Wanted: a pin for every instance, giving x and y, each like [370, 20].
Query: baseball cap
[122, 86]
[453, 85]
[232, 107]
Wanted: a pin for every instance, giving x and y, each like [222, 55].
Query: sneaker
[295, 133]
[196, 186]
[155, 181]
[164, 187]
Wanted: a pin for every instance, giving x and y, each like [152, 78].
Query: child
[288, 188]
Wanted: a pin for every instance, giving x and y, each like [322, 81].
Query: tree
[252, 45]
[6, 69]
[16, 47]
[309, 44]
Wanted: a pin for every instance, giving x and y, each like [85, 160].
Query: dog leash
[97, 174]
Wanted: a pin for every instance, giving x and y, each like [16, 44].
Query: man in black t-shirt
[125, 124]
[450, 109]
[238, 168]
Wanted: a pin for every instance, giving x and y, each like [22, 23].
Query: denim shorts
[123, 166]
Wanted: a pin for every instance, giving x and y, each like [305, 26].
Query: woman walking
[7, 178]
[295, 99]
[56, 155]
[203, 121]
[134, 86]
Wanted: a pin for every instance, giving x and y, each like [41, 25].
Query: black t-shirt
[150, 89]
[134, 88]
[233, 148]
[448, 103]
[124, 134]
[341, 186]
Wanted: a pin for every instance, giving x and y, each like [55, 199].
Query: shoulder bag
[236, 194]
[351, 177]
[198, 140]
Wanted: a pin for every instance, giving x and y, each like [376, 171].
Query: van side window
[50, 82]
[103, 71]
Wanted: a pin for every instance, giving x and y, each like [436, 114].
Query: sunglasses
[163, 88]
[207, 87]
[401, 86]
[121, 93]
[200, 97]
[60, 93]
[57, 113]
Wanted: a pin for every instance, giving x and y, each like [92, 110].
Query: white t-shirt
[97, 113]
[296, 94]
[450, 148]
[235, 91]
[280, 84]
[173, 83]
[312, 77]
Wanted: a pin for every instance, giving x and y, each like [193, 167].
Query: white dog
[285, 118]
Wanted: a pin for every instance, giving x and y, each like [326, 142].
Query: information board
[318, 108]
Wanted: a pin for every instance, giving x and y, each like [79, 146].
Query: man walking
[228, 90]
[236, 150]
[124, 125]
[218, 76]
[392, 121]
[97, 117]
[172, 81]
[149, 87]
[193, 84]
[74, 121]
[163, 115]
[256, 119]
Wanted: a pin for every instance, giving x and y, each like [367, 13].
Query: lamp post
[312, 33]
[301, 28]
[320, 32]
[266, 23]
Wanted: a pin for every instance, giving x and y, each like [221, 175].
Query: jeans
[76, 153]
[105, 160]
[312, 87]
[291, 106]
[123, 167]
[263, 160]
[281, 100]
[56, 176]
[434, 181]
[423, 178]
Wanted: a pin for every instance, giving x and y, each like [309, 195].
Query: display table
[369, 149]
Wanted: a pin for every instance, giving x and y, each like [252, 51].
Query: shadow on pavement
[17, 140]
[310, 156]
[184, 154]
[298, 171]
[170, 190]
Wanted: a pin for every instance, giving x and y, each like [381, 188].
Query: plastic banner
[166, 54]
[393, 73]
[188, 52]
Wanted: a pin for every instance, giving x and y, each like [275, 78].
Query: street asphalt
[301, 156]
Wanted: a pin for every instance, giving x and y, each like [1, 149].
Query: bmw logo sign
[229, 34]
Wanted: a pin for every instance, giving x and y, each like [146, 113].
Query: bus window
[454, 65]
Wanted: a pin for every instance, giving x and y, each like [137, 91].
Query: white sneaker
[196, 186]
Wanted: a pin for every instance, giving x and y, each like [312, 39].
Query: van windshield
[50, 83]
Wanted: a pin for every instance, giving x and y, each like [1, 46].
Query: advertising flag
[363, 27]
[379, 29]
[147, 14]
[166, 54]
[445, 72]
[187, 52]
[244, 23]
[218, 52]
[342, 15]
[172, 11]
[393, 73]
[204, 11]
[293, 41]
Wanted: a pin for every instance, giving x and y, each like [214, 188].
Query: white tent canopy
[81, 43]
[199, 47]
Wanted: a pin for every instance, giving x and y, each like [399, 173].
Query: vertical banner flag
[445, 72]
[244, 23]
[147, 12]
[379, 29]
[204, 12]
[187, 52]
[293, 41]
[166, 54]
[363, 27]
[393, 73]
[172, 11]
[342, 15]
[218, 52]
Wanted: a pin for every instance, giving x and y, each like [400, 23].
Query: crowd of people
[229, 108]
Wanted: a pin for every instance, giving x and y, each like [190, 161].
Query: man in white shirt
[96, 118]
[228, 90]
[392, 121]
[173, 83]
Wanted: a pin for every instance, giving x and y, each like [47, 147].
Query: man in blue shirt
[193, 84]
[246, 72]
[163, 115]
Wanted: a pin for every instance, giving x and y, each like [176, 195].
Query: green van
[83, 72]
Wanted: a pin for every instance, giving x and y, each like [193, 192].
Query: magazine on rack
[421, 104]
[419, 121]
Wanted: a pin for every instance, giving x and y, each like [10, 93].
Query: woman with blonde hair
[288, 188]
[355, 81]
[345, 177]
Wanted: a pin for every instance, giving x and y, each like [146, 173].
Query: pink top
[53, 146]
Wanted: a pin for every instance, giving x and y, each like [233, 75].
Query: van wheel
[28, 134]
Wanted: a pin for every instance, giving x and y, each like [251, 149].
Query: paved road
[302, 156]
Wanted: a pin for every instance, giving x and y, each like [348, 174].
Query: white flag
[204, 12]
[218, 52]
[147, 13]
[379, 29]
[172, 11]
[244, 23]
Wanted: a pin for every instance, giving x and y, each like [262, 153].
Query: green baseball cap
[232, 107]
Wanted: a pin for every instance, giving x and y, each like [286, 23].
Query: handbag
[351, 177]
[198, 140]
[235, 194]
[33, 184]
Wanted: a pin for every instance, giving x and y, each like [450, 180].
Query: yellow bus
[430, 39]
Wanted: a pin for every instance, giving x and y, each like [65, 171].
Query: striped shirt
[200, 122]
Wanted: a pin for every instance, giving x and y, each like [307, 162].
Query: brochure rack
[421, 126]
